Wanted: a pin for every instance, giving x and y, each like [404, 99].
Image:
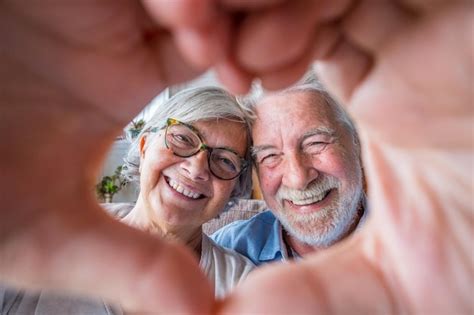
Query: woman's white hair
[192, 105]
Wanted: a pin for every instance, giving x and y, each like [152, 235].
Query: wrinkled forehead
[291, 115]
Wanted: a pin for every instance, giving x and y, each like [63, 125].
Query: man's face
[308, 167]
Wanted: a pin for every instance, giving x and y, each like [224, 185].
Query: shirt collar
[274, 247]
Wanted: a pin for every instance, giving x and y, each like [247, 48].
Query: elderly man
[307, 155]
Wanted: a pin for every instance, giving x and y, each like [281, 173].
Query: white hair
[192, 105]
[309, 83]
[326, 227]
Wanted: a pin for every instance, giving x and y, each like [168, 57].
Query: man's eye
[269, 159]
[315, 147]
[315, 143]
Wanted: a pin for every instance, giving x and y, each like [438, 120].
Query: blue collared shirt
[258, 238]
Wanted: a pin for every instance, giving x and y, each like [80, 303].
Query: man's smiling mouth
[309, 201]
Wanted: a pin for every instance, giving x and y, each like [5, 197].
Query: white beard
[329, 225]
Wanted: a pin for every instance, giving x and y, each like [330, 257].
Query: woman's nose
[196, 166]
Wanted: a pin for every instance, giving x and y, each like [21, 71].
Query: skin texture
[74, 72]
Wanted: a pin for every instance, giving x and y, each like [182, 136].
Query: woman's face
[182, 192]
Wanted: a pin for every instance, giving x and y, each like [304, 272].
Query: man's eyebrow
[322, 131]
[259, 148]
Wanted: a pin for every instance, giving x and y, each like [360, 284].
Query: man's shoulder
[252, 237]
[264, 220]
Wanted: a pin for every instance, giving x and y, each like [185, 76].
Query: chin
[322, 238]
[321, 229]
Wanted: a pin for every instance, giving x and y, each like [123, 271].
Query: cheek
[269, 180]
[223, 190]
[339, 165]
[155, 163]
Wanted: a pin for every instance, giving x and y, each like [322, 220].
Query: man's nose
[298, 172]
[196, 166]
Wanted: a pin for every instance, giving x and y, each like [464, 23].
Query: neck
[141, 218]
[303, 249]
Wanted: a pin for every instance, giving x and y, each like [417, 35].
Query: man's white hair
[309, 83]
[333, 222]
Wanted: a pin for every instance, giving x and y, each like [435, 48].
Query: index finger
[182, 13]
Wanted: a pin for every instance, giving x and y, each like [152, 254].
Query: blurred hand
[73, 73]
[404, 69]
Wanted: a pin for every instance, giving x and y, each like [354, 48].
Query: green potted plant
[136, 127]
[109, 185]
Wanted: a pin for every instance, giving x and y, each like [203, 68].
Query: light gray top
[224, 267]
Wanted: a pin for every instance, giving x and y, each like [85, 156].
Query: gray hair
[309, 83]
[192, 105]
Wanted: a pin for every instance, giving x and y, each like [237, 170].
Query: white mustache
[314, 192]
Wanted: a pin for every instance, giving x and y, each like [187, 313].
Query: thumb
[102, 257]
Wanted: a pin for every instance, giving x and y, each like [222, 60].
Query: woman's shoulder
[219, 252]
[224, 267]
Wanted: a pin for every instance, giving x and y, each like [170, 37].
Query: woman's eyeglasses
[184, 140]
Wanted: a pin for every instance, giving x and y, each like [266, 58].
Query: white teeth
[310, 200]
[182, 190]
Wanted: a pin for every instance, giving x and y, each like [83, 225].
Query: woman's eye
[228, 163]
[182, 138]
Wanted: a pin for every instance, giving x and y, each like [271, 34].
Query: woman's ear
[142, 146]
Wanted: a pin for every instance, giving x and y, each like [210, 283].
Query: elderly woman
[190, 160]
[192, 157]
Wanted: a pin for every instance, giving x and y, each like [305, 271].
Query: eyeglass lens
[184, 142]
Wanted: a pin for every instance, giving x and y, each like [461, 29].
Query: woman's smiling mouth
[183, 190]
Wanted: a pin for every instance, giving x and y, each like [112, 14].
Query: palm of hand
[393, 80]
[75, 72]
[109, 55]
